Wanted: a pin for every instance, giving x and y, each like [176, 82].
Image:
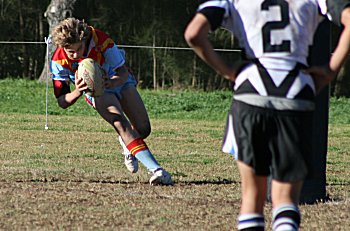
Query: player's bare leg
[254, 190]
[110, 109]
[130, 161]
[135, 110]
[285, 199]
[285, 192]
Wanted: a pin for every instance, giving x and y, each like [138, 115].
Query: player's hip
[117, 91]
[270, 140]
[275, 88]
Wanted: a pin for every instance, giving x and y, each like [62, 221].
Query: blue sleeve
[114, 58]
[61, 73]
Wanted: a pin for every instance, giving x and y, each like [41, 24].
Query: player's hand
[80, 84]
[231, 76]
[109, 82]
[322, 76]
[114, 81]
[122, 75]
[236, 69]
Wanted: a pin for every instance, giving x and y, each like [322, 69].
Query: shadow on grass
[326, 200]
[204, 182]
[195, 182]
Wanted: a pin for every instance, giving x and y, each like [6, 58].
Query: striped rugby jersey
[275, 35]
[101, 48]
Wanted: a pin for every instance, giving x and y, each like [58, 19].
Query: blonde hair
[70, 31]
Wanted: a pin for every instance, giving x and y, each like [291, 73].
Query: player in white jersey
[269, 126]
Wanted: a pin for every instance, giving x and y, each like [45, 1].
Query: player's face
[76, 50]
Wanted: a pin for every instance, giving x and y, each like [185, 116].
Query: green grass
[72, 177]
[339, 112]
[29, 97]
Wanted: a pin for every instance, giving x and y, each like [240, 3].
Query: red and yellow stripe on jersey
[63, 68]
[101, 42]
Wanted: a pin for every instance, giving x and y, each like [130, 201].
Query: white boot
[130, 161]
[161, 177]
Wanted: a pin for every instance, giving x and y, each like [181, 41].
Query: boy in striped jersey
[269, 126]
[120, 105]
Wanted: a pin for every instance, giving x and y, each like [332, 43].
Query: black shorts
[271, 141]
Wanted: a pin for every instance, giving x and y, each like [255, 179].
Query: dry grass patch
[72, 177]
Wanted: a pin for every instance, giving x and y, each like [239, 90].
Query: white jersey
[265, 29]
[276, 34]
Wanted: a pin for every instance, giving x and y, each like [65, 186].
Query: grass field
[72, 177]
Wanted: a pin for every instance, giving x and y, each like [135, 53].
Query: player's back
[278, 33]
[275, 35]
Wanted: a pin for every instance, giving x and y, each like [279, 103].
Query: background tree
[148, 23]
[342, 82]
[21, 21]
[55, 12]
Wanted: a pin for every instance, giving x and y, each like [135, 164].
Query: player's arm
[66, 99]
[324, 75]
[196, 35]
[61, 76]
[343, 47]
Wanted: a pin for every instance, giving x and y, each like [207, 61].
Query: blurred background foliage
[158, 23]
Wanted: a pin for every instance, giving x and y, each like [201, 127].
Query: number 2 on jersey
[275, 25]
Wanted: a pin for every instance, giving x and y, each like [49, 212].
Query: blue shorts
[116, 91]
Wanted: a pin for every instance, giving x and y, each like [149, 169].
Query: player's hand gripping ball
[92, 73]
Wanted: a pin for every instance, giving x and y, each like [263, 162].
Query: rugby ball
[92, 73]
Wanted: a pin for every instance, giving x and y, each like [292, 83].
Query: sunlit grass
[72, 176]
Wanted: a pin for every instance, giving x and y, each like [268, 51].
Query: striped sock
[286, 217]
[251, 222]
[139, 149]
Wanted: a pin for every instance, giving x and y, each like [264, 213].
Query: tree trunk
[155, 85]
[164, 69]
[194, 72]
[55, 12]
[342, 82]
[40, 27]
[25, 58]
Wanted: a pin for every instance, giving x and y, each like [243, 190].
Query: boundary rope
[48, 42]
[128, 46]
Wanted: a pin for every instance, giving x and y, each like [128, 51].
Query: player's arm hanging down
[324, 75]
[196, 35]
